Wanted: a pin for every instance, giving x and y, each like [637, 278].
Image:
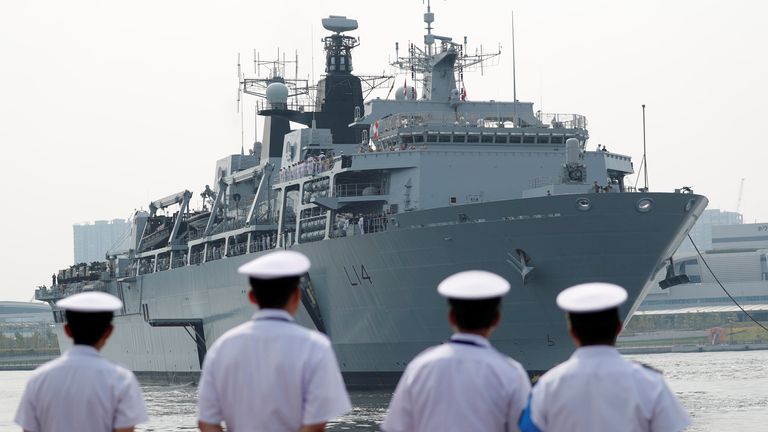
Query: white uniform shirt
[271, 374]
[598, 390]
[81, 391]
[464, 385]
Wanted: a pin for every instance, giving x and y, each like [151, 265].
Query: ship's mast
[429, 18]
[438, 62]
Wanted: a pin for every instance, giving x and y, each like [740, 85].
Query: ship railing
[375, 224]
[237, 249]
[538, 182]
[224, 226]
[228, 225]
[490, 119]
[558, 121]
[214, 253]
[306, 168]
[347, 227]
[163, 264]
[294, 105]
[179, 261]
[359, 189]
[61, 292]
[263, 242]
[196, 258]
[146, 267]
[43, 293]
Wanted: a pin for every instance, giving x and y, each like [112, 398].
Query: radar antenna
[271, 71]
[422, 61]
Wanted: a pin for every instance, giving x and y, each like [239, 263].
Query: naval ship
[387, 197]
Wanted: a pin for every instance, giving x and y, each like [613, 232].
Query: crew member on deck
[271, 374]
[463, 384]
[597, 389]
[81, 391]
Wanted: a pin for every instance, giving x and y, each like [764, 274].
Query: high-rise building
[744, 236]
[93, 241]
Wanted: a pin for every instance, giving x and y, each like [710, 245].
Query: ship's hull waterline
[376, 292]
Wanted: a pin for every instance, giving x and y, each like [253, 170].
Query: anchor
[519, 261]
[672, 279]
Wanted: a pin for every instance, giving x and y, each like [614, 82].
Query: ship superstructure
[387, 197]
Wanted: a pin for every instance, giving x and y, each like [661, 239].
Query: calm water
[722, 391]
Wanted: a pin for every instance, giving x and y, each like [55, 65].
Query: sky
[105, 106]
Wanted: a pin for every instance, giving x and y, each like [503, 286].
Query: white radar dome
[405, 93]
[277, 94]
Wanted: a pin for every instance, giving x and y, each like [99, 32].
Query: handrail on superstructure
[473, 120]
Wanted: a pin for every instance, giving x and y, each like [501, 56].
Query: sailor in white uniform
[597, 389]
[464, 384]
[81, 391]
[271, 374]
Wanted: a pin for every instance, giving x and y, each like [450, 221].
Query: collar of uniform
[83, 350]
[271, 314]
[472, 338]
[592, 351]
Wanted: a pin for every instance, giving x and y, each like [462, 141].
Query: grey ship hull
[376, 292]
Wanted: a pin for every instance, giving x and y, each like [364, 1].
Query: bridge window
[431, 138]
[472, 138]
[487, 138]
[557, 140]
[500, 139]
[529, 139]
[543, 139]
[418, 138]
[515, 139]
[445, 138]
[459, 138]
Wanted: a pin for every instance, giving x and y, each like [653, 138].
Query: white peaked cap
[473, 285]
[276, 265]
[94, 301]
[591, 297]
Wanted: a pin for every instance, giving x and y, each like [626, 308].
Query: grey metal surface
[442, 185]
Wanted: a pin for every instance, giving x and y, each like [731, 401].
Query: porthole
[689, 205]
[644, 205]
[583, 204]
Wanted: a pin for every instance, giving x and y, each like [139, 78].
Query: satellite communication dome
[406, 93]
[339, 24]
[277, 94]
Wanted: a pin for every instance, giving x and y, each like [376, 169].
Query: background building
[701, 233]
[26, 335]
[22, 318]
[745, 236]
[93, 241]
